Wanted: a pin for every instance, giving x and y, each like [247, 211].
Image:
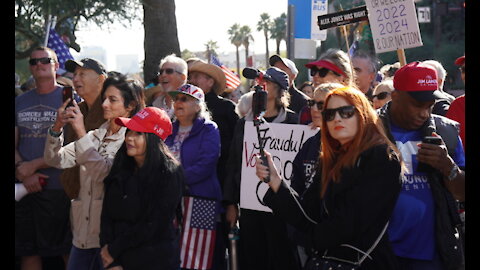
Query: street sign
[423, 14]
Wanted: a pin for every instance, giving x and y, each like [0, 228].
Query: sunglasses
[381, 96]
[182, 98]
[168, 71]
[43, 60]
[462, 69]
[312, 103]
[322, 72]
[344, 111]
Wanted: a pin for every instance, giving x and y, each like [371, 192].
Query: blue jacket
[199, 155]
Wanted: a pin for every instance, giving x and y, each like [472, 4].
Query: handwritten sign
[342, 18]
[283, 141]
[394, 24]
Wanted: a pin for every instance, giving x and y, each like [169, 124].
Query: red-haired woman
[348, 205]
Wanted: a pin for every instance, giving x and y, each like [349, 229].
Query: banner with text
[283, 141]
[394, 24]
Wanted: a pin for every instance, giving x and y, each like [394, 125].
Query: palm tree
[236, 39]
[246, 34]
[279, 30]
[265, 25]
[210, 46]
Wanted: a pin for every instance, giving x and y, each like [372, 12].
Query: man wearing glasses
[42, 217]
[172, 74]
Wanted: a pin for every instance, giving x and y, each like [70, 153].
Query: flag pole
[47, 31]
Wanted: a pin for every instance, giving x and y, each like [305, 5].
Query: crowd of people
[367, 191]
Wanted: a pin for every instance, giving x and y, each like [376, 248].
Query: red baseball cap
[149, 120]
[460, 61]
[326, 64]
[419, 80]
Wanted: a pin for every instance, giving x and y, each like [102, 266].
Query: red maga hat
[419, 80]
[149, 120]
[326, 64]
[460, 61]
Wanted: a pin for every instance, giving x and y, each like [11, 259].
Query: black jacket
[298, 99]
[142, 236]
[354, 211]
[223, 113]
[231, 188]
[446, 213]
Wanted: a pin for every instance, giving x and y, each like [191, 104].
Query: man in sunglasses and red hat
[425, 219]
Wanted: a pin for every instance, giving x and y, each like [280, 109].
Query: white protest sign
[283, 141]
[394, 24]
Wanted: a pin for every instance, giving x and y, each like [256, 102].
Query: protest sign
[394, 24]
[283, 141]
[342, 18]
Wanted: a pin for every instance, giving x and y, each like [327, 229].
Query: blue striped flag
[56, 43]
[232, 80]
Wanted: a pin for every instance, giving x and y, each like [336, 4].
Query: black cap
[277, 76]
[89, 63]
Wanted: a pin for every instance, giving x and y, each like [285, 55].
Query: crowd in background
[118, 156]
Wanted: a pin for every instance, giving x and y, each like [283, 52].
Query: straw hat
[151, 92]
[213, 71]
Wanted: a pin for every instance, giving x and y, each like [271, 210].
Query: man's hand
[107, 259]
[435, 155]
[32, 182]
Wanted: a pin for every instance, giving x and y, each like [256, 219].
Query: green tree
[210, 49]
[279, 30]
[161, 37]
[246, 34]
[236, 39]
[31, 18]
[265, 25]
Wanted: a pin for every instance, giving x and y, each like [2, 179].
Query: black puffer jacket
[354, 211]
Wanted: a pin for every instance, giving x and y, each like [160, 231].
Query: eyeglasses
[344, 111]
[322, 72]
[168, 71]
[43, 60]
[382, 95]
[312, 103]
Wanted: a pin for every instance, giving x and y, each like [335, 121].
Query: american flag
[61, 49]
[198, 234]
[232, 80]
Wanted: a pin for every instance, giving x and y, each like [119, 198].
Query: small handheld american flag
[61, 49]
[232, 80]
[198, 233]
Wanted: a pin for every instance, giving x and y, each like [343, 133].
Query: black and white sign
[423, 14]
[342, 18]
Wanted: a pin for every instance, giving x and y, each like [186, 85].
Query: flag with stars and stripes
[198, 233]
[232, 80]
[61, 49]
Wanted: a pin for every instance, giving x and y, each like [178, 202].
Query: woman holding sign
[349, 203]
[263, 236]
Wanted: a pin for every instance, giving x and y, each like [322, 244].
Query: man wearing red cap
[422, 227]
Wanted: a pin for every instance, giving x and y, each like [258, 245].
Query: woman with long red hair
[346, 209]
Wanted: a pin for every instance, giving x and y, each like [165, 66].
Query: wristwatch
[453, 172]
